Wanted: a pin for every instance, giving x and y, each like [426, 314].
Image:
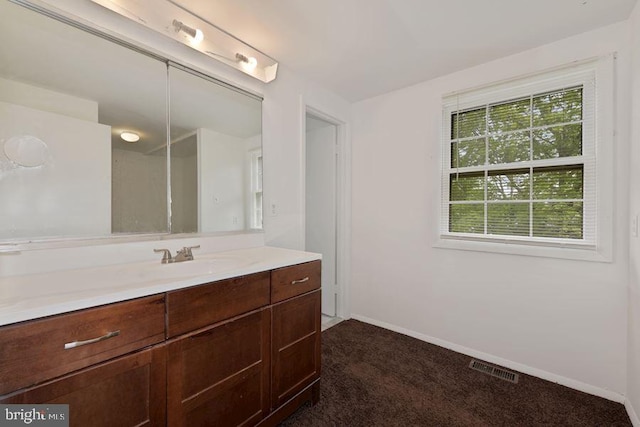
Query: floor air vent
[494, 371]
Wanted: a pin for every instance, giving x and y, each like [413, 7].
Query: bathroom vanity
[234, 342]
[229, 338]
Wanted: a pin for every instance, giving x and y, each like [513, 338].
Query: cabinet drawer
[34, 351]
[298, 279]
[199, 306]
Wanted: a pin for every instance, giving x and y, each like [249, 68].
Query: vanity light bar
[174, 21]
[196, 34]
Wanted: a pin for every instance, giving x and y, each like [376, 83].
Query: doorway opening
[323, 190]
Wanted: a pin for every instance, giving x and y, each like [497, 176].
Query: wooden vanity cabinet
[242, 351]
[202, 305]
[125, 392]
[296, 346]
[295, 340]
[39, 350]
[287, 282]
[257, 357]
[90, 359]
[220, 376]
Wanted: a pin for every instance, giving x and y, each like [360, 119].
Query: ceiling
[363, 48]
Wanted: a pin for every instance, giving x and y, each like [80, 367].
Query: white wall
[47, 100]
[221, 181]
[559, 319]
[68, 194]
[633, 355]
[283, 120]
[51, 190]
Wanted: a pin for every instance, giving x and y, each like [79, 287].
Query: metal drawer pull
[295, 282]
[75, 344]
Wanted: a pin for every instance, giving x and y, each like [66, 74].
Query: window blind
[519, 160]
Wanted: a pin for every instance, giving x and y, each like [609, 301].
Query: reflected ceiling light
[130, 136]
[168, 18]
[196, 34]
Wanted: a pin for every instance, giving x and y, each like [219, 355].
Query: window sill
[588, 253]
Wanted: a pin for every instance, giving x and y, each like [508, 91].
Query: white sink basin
[198, 267]
[126, 276]
[186, 268]
[45, 294]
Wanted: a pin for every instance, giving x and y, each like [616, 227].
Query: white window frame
[597, 78]
[255, 187]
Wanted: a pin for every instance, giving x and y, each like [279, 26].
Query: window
[519, 162]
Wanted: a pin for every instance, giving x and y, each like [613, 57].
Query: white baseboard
[568, 382]
[633, 415]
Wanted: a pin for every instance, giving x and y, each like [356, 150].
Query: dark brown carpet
[375, 377]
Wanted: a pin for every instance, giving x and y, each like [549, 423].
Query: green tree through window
[504, 179]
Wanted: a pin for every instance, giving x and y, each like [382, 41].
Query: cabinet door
[220, 376]
[127, 391]
[296, 346]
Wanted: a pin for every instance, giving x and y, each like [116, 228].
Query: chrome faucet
[166, 257]
[183, 254]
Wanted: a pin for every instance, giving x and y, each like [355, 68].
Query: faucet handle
[166, 257]
[187, 249]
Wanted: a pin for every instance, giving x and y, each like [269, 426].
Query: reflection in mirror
[75, 93]
[216, 156]
[68, 169]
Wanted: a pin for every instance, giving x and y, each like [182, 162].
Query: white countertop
[33, 296]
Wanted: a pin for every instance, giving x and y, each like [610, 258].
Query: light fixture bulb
[199, 36]
[196, 34]
[130, 136]
[247, 62]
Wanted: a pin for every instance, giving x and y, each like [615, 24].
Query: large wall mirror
[67, 96]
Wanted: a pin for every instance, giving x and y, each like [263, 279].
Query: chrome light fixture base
[171, 19]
